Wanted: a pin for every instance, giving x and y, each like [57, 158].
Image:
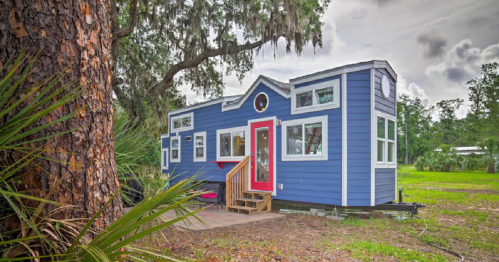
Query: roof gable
[278, 87]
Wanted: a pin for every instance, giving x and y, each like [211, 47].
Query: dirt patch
[295, 238]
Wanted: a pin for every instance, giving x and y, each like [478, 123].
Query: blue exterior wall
[359, 138]
[385, 185]
[384, 177]
[306, 181]
[385, 105]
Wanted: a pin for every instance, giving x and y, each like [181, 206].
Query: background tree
[173, 43]
[491, 148]
[72, 37]
[414, 123]
[447, 123]
[484, 96]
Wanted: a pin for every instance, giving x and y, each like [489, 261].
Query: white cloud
[412, 90]
[463, 61]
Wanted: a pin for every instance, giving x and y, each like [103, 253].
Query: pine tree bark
[72, 36]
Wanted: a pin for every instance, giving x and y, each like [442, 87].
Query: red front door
[262, 155]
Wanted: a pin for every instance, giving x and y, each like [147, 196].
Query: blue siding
[359, 138]
[386, 105]
[307, 181]
[385, 185]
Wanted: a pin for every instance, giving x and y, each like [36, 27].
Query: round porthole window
[385, 86]
[261, 102]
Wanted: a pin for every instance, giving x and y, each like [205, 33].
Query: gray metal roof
[283, 86]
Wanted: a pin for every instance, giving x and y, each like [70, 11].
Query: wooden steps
[252, 203]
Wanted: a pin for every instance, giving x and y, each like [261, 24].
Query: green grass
[459, 209]
[369, 250]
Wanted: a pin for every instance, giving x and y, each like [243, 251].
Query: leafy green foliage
[195, 43]
[421, 164]
[484, 110]
[491, 148]
[414, 124]
[470, 164]
[137, 152]
[19, 109]
[447, 112]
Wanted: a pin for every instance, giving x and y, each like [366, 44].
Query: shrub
[421, 163]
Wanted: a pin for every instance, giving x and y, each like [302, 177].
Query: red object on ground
[209, 195]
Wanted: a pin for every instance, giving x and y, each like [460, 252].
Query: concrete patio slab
[221, 218]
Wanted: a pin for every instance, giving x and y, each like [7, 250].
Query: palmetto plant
[19, 109]
[37, 235]
[135, 146]
[470, 164]
[491, 148]
[445, 160]
[421, 163]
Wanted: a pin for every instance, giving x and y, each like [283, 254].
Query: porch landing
[222, 218]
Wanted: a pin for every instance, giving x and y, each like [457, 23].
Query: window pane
[186, 122]
[381, 127]
[174, 153]
[381, 150]
[391, 130]
[174, 143]
[177, 123]
[199, 140]
[313, 139]
[391, 151]
[294, 140]
[261, 102]
[199, 152]
[324, 95]
[262, 155]
[304, 99]
[225, 144]
[165, 156]
[238, 140]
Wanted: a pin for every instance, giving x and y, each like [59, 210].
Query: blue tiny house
[324, 138]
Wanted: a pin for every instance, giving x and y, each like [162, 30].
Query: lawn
[462, 214]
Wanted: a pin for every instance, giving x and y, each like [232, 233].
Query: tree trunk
[491, 169]
[71, 36]
[406, 159]
[447, 168]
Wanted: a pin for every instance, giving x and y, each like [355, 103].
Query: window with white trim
[231, 143]
[183, 122]
[385, 137]
[199, 147]
[164, 158]
[316, 97]
[305, 139]
[175, 149]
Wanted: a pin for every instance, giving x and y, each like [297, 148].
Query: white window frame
[268, 102]
[303, 122]
[173, 118]
[199, 159]
[179, 149]
[335, 83]
[165, 155]
[385, 163]
[232, 130]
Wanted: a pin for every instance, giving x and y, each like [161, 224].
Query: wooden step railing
[236, 182]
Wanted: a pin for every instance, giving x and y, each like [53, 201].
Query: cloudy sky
[433, 46]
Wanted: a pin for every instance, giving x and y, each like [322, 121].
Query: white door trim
[273, 118]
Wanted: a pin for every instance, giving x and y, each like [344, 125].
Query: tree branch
[126, 31]
[167, 81]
